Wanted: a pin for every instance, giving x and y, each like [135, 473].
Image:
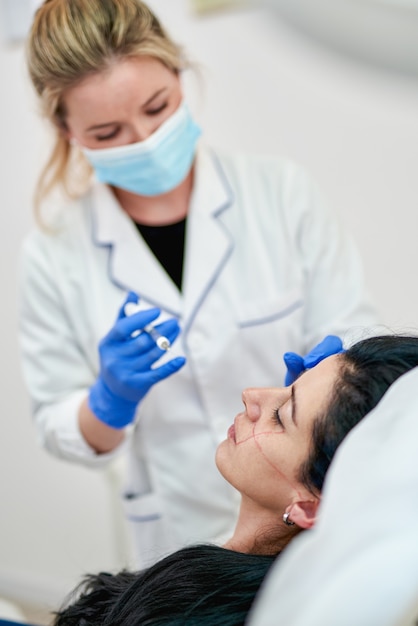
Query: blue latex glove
[297, 364]
[126, 373]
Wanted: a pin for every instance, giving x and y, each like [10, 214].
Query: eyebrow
[293, 414]
[157, 93]
[97, 126]
[147, 103]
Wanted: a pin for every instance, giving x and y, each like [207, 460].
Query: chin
[225, 464]
[221, 459]
[217, 457]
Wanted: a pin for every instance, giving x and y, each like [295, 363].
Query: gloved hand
[297, 364]
[126, 360]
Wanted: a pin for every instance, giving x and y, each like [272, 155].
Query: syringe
[162, 342]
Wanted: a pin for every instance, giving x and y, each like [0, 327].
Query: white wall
[51, 521]
[266, 89]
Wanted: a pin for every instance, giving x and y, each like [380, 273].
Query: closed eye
[276, 418]
[110, 135]
[157, 109]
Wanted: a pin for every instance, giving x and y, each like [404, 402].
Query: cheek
[281, 459]
[239, 462]
[177, 97]
[254, 462]
[271, 449]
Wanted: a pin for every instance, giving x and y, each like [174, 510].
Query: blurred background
[332, 84]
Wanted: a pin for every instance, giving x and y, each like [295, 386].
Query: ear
[303, 512]
[65, 134]
[63, 130]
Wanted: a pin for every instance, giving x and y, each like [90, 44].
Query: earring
[287, 521]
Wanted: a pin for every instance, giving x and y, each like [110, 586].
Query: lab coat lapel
[208, 243]
[132, 265]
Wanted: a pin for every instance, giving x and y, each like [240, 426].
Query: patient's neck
[258, 530]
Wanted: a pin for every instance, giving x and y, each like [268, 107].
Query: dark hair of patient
[369, 368]
[198, 586]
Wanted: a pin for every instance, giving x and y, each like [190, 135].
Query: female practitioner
[237, 251]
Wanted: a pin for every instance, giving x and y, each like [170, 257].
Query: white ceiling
[382, 32]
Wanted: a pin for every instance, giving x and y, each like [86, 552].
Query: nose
[141, 130]
[251, 400]
[260, 401]
[138, 135]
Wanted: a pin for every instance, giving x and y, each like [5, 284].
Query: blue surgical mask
[153, 166]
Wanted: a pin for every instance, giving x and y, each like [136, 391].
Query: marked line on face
[267, 432]
[255, 437]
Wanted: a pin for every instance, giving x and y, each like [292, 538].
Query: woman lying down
[276, 454]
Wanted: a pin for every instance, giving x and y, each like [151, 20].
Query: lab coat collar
[208, 243]
[132, 265]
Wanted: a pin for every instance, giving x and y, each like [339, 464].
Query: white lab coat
[267, 269]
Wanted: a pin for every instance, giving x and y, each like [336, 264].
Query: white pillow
[359, 565]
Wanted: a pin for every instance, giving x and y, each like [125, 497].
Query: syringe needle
[162, 342]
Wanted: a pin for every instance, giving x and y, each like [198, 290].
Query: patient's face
[271, 437]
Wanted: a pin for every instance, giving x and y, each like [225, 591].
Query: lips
[231, 433]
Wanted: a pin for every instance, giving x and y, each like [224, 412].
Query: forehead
[313, 389]
[121, 80]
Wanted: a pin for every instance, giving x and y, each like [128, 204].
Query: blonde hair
[71, 39]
